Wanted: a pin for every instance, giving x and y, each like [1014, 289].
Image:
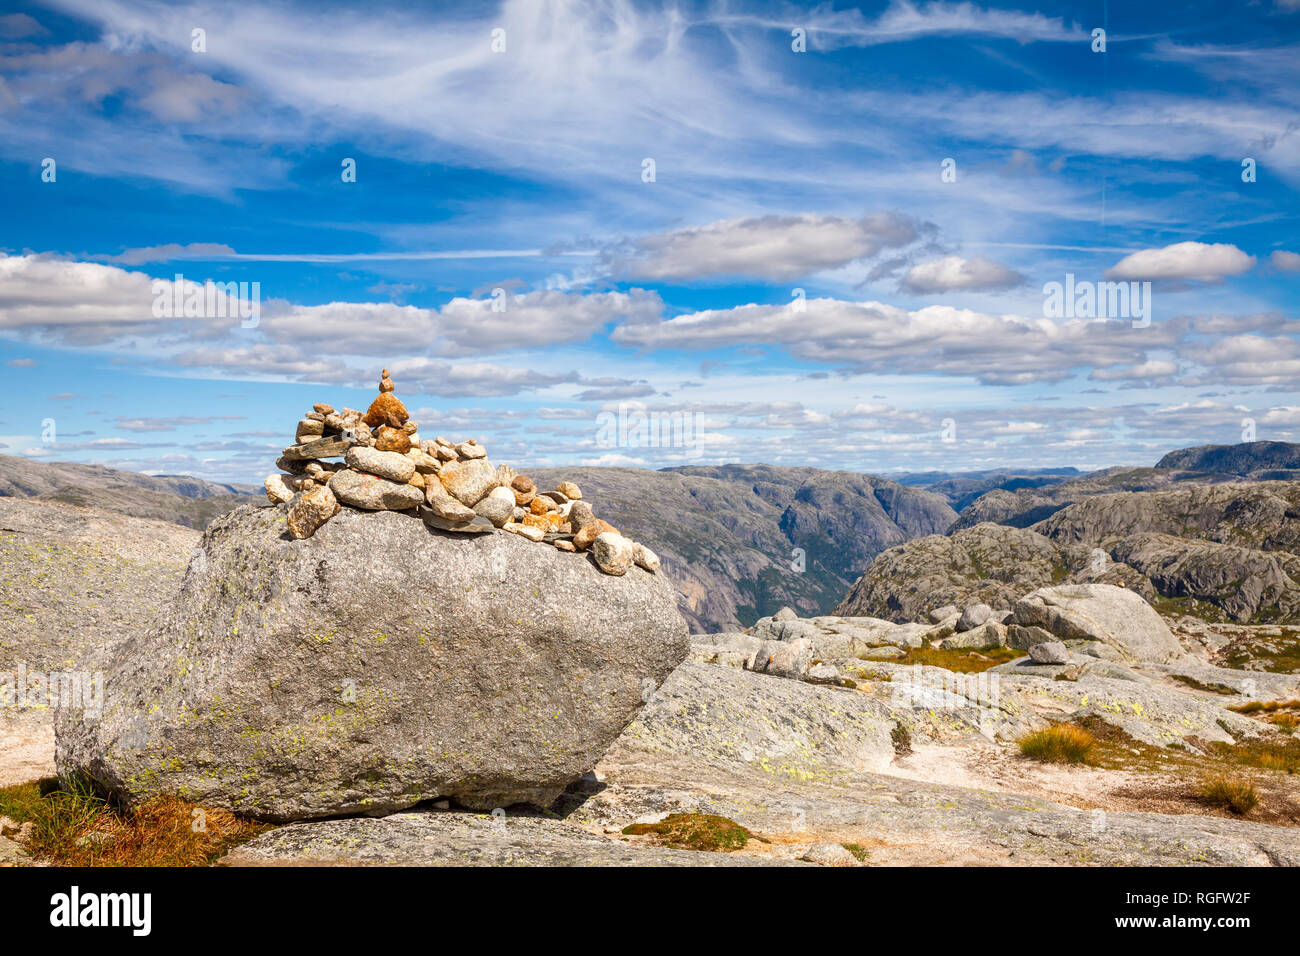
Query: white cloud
[85, 301]
[953, 273]
[1286, 261]
[463, 326]
[939, 339]
[171, 251]
[770, 247]
[1198, 261]
[1153, 369]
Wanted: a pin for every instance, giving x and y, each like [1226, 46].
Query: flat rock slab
[72, 578]
[461, 839]
[779, 727]
[682, 754]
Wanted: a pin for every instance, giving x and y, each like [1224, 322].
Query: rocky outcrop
[1243, 460]
[372, 666]
[800, 766]
[1102, 613]
[1230, 549]
[988, 564]
[1243, 583]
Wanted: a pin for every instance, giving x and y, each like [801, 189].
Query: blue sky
[921, 338]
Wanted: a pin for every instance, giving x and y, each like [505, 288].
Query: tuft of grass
[1060, 743]
[860, 852]
[959, 660]
[1287, 723]
[706, 832]
[1265, 706]
[1230, 793]
[1273, 752]
[77, 827]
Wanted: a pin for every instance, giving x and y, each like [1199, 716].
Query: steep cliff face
[1232, 549]
[740, 541]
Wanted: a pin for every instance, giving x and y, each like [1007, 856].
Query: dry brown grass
[1060, 743]
[1266, 706]
[1230, 793]
[81, 829]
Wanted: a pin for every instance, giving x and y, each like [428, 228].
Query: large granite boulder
[1100, 612]
[373, 666]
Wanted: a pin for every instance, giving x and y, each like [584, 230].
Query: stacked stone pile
[450, 486]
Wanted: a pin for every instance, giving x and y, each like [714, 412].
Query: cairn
[450, 486]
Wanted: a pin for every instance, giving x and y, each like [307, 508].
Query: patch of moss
[860, 852]
[705, 832]
[959, 660]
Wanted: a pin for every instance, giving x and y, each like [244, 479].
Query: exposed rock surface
[1100, 612]
[989, 564]
[1247, 459]
[372, 666]
[1230, 549]
[751, 748]
[180, 499]
[460, 839]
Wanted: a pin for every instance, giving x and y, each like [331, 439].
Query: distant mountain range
[740, 541]
[182, 500]
[1213, 531]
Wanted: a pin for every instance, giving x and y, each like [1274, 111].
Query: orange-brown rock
[586, 535]
[392, 439]
[538, 521]
[524, 491]
[540, 505]
[387, 409]
[385, 383]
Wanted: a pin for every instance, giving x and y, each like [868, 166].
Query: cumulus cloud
[771, 247]
[474, 379]
[1246, 360]
[86, 302]
[1198, 261]
[872, 336]
[463, 326]
[953, 273]
[1286, 261]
